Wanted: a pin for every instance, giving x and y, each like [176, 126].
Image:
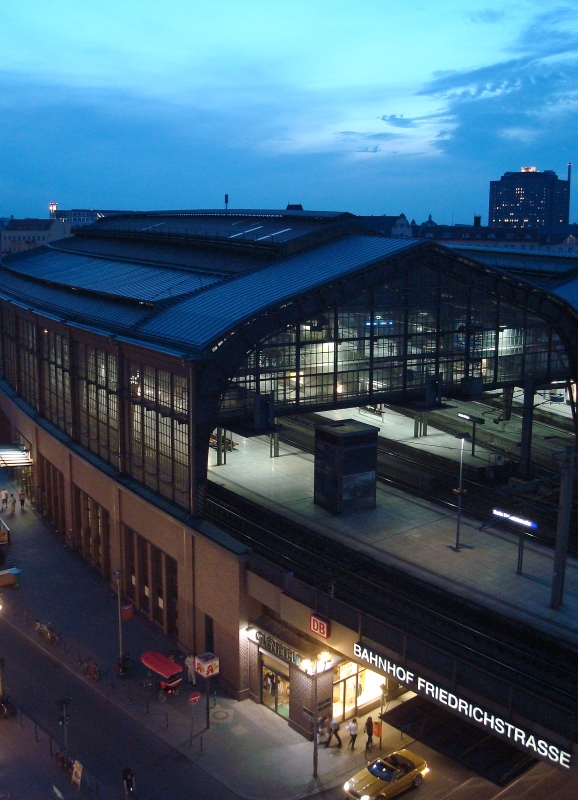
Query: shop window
[157, 584]
[143, 575]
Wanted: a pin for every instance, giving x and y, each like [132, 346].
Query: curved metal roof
[119, 279]
[189, 290]
[198, 321]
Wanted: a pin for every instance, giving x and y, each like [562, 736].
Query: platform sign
[207, 665]
[194, 698]
[525, 523]
[471, 418]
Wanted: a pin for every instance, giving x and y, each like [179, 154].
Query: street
[100, 735]
[106, 740]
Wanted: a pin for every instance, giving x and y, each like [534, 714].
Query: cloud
[488, 16]
[356, 136]
[523, 135]
[399, 122]
[520, 106]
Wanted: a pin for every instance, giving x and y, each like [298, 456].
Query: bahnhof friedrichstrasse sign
[537, 746]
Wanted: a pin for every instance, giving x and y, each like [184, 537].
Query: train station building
[139, 354]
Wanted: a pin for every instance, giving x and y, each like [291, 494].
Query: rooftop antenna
[226, 202]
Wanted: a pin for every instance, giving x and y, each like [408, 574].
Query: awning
[14, 457]
[486, 755]
[161, 664]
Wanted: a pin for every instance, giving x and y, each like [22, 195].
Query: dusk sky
[372, 106]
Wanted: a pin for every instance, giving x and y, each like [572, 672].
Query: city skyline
[381, 111]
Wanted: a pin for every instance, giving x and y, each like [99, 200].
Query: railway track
[521, 655]
[480, 499]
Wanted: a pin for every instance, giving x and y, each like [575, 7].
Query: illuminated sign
[471, 418]
[526, 523]
[280, 649]
[207, 664]
[537, 747]
[320, 626]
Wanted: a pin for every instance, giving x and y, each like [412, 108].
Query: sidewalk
[265, 758]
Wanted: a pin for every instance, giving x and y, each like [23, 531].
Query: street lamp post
[323, 659]
[118, 576]
[460, 493]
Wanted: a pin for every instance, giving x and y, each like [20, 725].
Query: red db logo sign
[319, 626]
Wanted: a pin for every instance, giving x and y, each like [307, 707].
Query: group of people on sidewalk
[326, 731]
[12, 501]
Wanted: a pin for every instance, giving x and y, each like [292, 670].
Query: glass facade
[159, 431]
[98, 401]
[381, 345]
[384, 344]
[56, 380]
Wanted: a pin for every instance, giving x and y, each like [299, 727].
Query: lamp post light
[118, 576]
[475, 421]
[313, 668]
[460, 492]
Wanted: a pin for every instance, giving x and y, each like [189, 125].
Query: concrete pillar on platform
[527, 421]
[508, 395]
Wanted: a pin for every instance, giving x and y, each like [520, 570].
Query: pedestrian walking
[333, 731]
[369, 732]
[12, 505]
[22, 498]
[322, 730]
[128, 782]
[190, 665]
[352, 729]
[4, 496]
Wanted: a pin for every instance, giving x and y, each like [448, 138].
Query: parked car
[387, 776]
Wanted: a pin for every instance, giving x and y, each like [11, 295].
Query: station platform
[411, 533]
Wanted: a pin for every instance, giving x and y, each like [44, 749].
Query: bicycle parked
[43, 629]
[90, 668]
[124, 666]
[7, 707]
[64, 761]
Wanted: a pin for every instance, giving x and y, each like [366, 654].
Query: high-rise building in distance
[529, 198]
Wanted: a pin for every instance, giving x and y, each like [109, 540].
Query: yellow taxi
[387, 776]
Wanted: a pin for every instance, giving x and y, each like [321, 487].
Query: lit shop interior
[287, 677]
